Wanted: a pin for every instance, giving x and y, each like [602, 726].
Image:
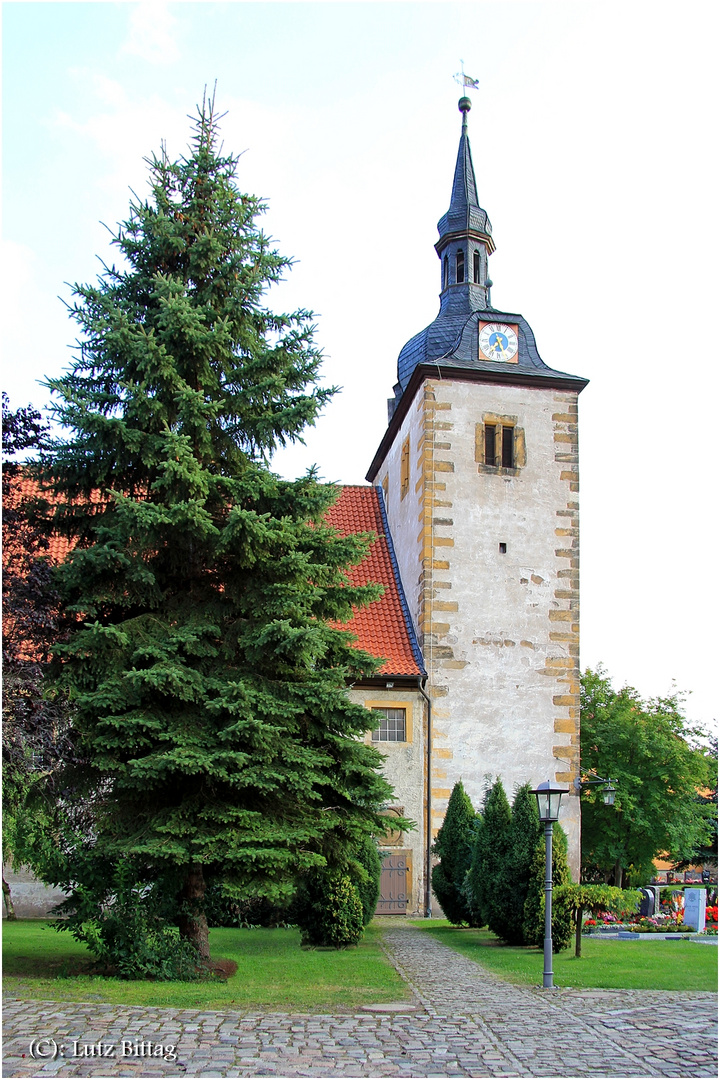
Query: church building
[472, 498]
[475, 502]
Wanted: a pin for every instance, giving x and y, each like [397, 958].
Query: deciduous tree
[658, 766]
[594, 899]
[35, 727]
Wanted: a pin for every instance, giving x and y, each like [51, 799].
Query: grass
[274, 973]
[632, 965]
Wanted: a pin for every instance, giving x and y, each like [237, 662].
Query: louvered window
[460, 267]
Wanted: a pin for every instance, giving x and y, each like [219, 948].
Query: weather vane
[465, 80]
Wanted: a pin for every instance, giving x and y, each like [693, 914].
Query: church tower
[479, 473]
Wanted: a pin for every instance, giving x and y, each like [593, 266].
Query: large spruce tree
[207, 677]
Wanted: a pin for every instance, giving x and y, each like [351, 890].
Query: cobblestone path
[465, 1023]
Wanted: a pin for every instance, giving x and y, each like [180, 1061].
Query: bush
[562, 909]
[126, 927]
[366, 877]
[328, 910]
[454, 845]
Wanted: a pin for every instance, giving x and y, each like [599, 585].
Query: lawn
[274, 973]
[632, 965]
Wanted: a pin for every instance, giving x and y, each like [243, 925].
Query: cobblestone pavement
[465, 1022]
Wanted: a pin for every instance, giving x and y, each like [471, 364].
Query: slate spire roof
[465, 211]
[451, 342]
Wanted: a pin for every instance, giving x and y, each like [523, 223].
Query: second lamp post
[548, 800]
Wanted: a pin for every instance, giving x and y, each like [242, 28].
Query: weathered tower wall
[499, 628]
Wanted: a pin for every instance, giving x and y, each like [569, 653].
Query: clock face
[498, 342]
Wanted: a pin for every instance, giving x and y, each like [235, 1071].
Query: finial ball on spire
[464, 104]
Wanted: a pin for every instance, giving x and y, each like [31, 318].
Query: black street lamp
[548, 800]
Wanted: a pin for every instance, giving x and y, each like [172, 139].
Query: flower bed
[669, 920]
[650, 925]
[658, 924]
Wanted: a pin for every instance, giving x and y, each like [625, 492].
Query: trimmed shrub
[488, 859]
[454, 846]
[328, 910]
[534, 913]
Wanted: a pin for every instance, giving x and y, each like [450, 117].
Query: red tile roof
[383, 628]
[21, 488]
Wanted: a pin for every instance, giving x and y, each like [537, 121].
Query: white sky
[593, 137]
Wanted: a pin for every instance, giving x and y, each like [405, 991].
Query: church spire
[465, 236]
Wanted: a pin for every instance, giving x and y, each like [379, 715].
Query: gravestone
[647, 904]
[695, 908]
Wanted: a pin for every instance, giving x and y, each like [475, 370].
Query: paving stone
[462, 1022]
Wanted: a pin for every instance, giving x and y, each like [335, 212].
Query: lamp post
[590, 780]
[548, 800]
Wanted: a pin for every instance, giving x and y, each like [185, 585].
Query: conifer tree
[207, 677]
[511, 887]
[454, 846]
[534, 915]
[489, 857]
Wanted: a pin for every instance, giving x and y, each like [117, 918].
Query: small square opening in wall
[503, 548]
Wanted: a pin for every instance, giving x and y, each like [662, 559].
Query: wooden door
[394, 884]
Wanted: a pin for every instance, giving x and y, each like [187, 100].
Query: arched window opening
[446, 272]
[476, 267]
[460, 267]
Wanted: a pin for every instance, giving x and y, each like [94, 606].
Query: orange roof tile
[383, 628]
[23, 487]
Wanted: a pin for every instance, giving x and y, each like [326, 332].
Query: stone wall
[31, 899]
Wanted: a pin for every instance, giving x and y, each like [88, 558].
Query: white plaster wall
[403, 513]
